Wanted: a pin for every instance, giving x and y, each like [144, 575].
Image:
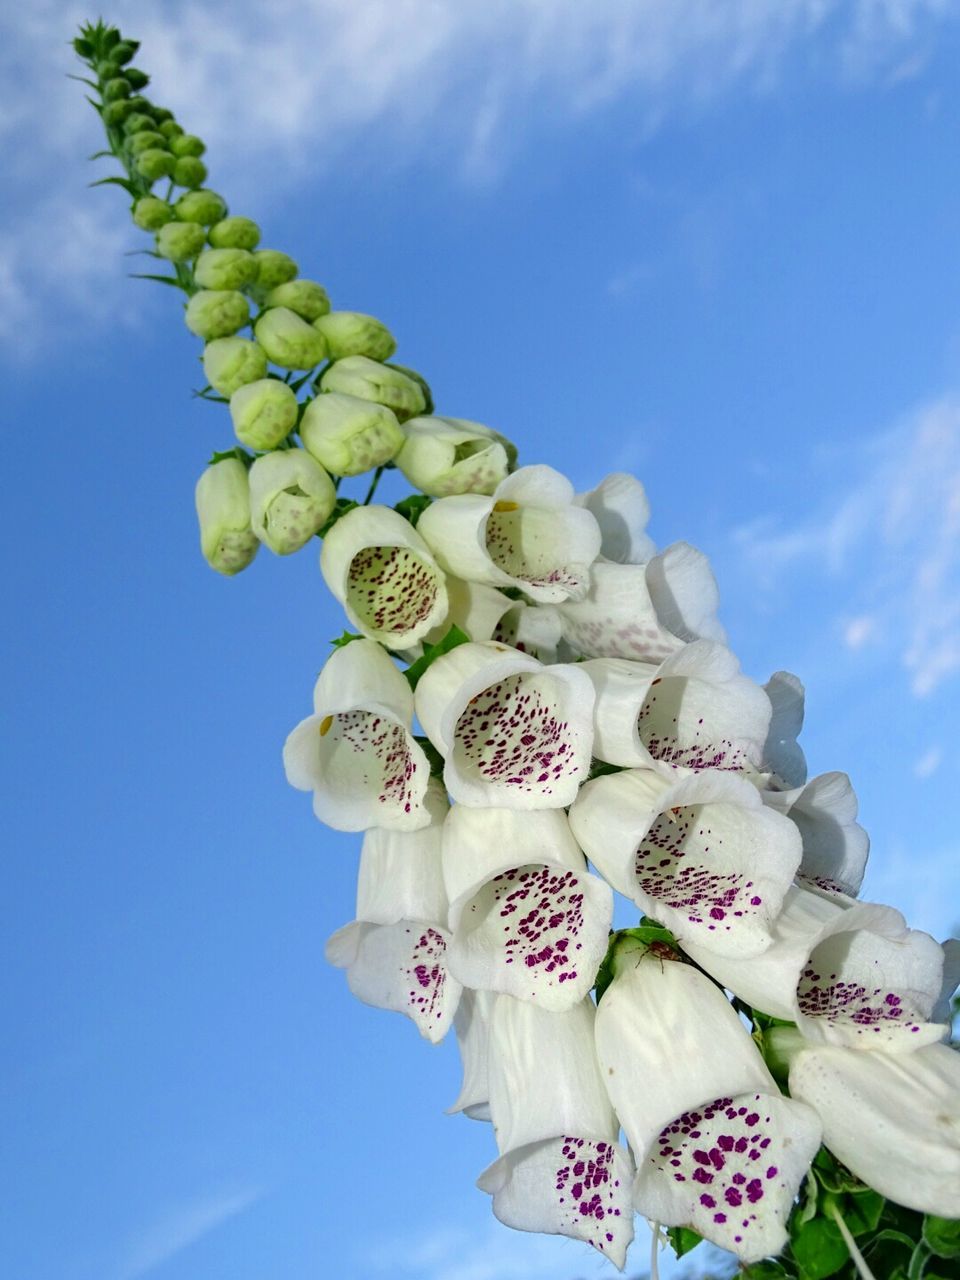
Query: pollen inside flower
[685, 722]
[391, 590]
[367, 756]
[529, 544]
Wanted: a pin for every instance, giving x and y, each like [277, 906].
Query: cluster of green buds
[312, 394]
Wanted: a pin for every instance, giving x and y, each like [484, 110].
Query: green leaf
[862, 1211]
[431, 652]
[600, 768]
[343, 506]
[98, 155]
[142, 275]
[683, 1239]
[768, 1269]
[127, 185]
[346, 638]
[241, 455]
[942, 1235]
[413, 507]
[819, 1249]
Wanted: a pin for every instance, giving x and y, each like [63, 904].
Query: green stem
[859, 1261]
[918, 1261]
[373, 485]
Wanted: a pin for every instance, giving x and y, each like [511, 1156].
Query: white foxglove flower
[399, 967]
[384, 574]
[527, 917]
[852, 975]
[645, 612]
[620, 505]
[893, 1119]
[526, 534]
[694, 711]
[349, 435]
[561, 1170]
[446, 456]
[702, 854]
[356, 752]
[835, 846]
[401, 872]
[531, 628]
[227, 541]
[718, 1148]
[514, 733]
[291, 498]
[782, 755]
[474, 608]
[472, 1025]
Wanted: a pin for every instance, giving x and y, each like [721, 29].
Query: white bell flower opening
[291, 498]
[645, 612]
[383, 573]
[526, 916]
[472, 1025]
[718, 1148]
[356, 752]
[702, 855]
[526, 534]
[622, 510]
[893, 1119]
[693, 711]
[561, 1170]
[835, 846]
[782, 754]
[448, 456]
[514, 733]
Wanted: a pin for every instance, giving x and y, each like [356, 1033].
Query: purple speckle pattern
[534, 915]
[684, 741]
[426, 977]
[864, 1010]
[593, 1195]
[391, 589]
[514, 734]
[510, 551]
[674, 864]
[384, 761]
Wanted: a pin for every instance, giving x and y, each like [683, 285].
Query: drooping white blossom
[447, 456]
[400, 876]
[472, 1025]
[782, 754]
[622, 510]
[835, 846]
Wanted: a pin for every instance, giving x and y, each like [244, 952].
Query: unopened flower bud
[264, 413]
[421, 382]
[180, 241]
[151, 213]
[349, 435]
[216, 313]
[235, 233]
[114, 113]
[136, 78]
[446, 456]
[116, 88]
[160, 114]
[123, 51]
[274, 267]
[307, 298]
[139, 103]
[288, 340]
[186, 144]
[136, 122]
[223, 509]
[351, 333]
[201, 206]
[154, 163]
[230, 363]
[291, 498]
[144, 140]
[370, 380]
[188, 171]
[170, 130]
[224, 268]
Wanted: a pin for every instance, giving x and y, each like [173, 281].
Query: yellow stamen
[506, 506]
[325, 724]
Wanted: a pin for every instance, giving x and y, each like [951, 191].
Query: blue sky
[716, 244]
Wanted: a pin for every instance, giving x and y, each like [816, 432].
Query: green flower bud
[264, 413]
[369, 380]
[224, 268]
[136, 78]
[230, 363]
[201, 206]
[274, 267]
[151, 213]
[419, 379]
[187, 144]
[216, 313]
[144, 105]
[188, 171]
[291, 499]
[123, 52]
[180, 241]
[223, 509]
[154, 163]
[305, 297]
[350, 333]
[349, 436]
[288, 340]
[170, 130]
[114, 113]
[137, 121]
[118, 87]
[235, 233]
[144, 140]
[161, 114]
[107, 68]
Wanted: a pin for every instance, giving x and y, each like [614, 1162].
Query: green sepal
[643, 933]
[819, 1249]
[241, 455]
[140, 275]
[942, 1235]
[83, 48]
[413, 507]
[600, 768]
[98, 155]
[431, 652]
[347, 637]
[683, 1239]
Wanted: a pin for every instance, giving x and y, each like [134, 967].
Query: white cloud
[384, 82]
[182, 1226]
[890, 534]
[928, 764]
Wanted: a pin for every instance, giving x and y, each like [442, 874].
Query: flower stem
[858, 1259]
[373, 485]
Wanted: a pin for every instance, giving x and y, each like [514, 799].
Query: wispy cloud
[889, 532]
[182, 1226]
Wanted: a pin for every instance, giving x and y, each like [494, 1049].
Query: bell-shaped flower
[401, 872]
[514, 733]
[718, 1148]
[476, 609]
[227, 541]
[356, 752]
[620, 505]
[526, 534]
[531, 628]
[852, 976]
[447, 456]
[527, 917]
[782, 755]
[472, 1025]
[370, 380]
[893, 1119]
[561, 1170]
[383, 573]
[348, 435]
[835, 846]
[702, 854]
[291, 498]
[645, 612]
[693, 711]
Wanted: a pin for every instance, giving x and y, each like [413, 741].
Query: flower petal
[835, 846]
[782, 754]
[620, 505]
[401, 875]
[472, 1025]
